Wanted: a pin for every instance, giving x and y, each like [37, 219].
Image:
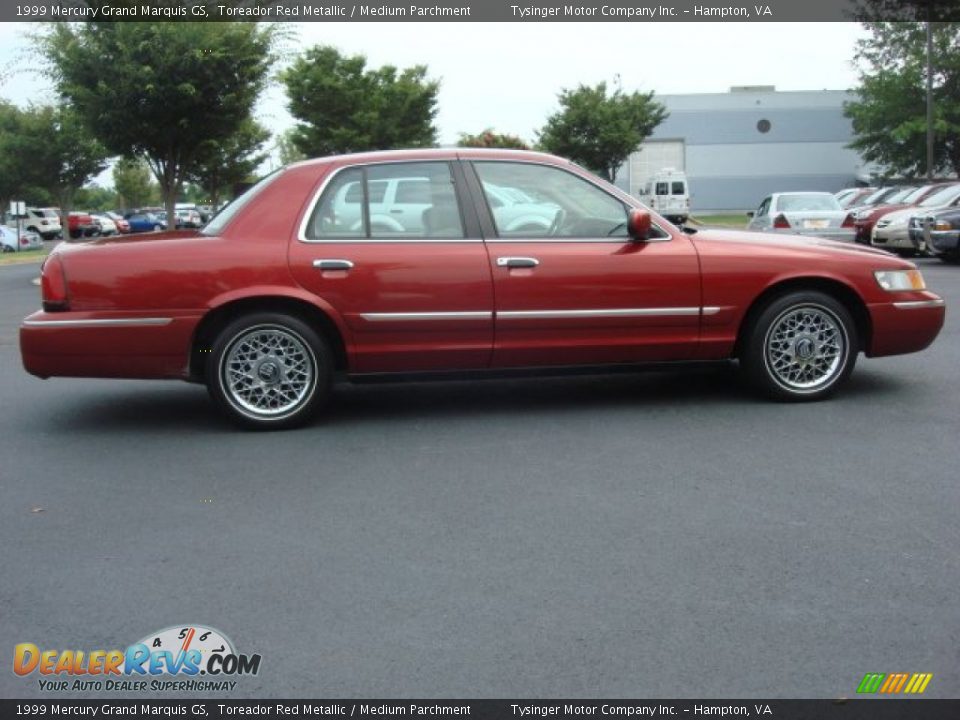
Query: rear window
[679, 188]
[229, 211]
[794, 203]
[663, 188]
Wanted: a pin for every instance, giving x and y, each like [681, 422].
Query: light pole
[929, 91]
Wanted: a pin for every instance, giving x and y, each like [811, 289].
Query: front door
[571, 286]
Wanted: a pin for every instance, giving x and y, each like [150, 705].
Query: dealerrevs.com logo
[179, 658]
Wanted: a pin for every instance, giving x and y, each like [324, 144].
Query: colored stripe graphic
[894, 683]
[871, 682]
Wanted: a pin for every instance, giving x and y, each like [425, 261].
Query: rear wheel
[801, 346]
[269, 371]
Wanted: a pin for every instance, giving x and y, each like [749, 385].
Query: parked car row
[896, 219]
[905, 219]
[46, 223]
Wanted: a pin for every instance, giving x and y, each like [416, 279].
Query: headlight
[897, 280]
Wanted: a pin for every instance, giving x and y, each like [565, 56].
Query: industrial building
[740, 146]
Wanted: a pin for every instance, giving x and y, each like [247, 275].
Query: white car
[28, 240]
[803, 213]
[45, 222]
[892, 231]
[107, 225]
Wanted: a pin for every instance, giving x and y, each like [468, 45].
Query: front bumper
[942, 241]
[897, 236]
[904, 325]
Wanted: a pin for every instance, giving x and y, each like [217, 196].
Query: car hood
[765, 242]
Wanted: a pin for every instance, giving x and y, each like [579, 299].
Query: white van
[668, 194]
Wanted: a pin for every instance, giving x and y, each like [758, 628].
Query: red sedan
[412, 262]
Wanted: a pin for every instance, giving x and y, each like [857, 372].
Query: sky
[507, 75]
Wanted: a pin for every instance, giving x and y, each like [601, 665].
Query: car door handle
[517, 262]
[332, 264]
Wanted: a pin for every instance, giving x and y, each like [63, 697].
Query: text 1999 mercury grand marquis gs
[449, 260]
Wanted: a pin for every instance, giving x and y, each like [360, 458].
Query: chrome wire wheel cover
[806, 348]
[268, 372]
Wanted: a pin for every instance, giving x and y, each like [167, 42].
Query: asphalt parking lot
[637, 535]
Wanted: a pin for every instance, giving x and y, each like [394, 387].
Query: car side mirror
[638, 225]
[749, 213]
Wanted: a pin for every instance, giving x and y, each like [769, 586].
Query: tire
[801, 347]
[7, 249]
[250, 393]
[950, 258]
[157, 228]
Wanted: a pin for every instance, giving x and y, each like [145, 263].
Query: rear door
[414, 287]
[580, 291]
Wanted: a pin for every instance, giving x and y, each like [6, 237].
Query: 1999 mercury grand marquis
[317, 271]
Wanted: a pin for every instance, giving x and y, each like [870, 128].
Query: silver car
[28, 240]
[803, 213]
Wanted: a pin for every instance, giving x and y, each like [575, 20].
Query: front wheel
[269, 371]
[801, 346]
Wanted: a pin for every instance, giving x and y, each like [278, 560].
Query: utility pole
[930, 91]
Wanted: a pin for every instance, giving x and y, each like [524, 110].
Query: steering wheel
[557, 223]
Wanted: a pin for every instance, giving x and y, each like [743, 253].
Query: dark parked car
[939, 232]
[284, 289]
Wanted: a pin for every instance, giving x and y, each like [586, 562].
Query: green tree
[286, 148]
[889, 113]
[94, 197]
[134, 184]
[161, 91]
[63, 154]
[223, 163]
[490, 139]
[598, 129]
[344, 107]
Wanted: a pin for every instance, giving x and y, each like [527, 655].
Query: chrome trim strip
[332, 264]
[917, 304]
[711, 310]
[599, 313]
[105, 322]
[401, 316]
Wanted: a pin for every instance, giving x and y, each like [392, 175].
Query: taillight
[53, 284]
[780, 223]
[24, 241]
[848, 221]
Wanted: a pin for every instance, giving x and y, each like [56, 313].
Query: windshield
[944, 197]
[917, 194]
[219, 221]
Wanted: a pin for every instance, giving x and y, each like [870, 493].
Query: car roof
[377, 156]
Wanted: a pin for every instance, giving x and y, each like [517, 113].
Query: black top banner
[881, 709]
[483, 11]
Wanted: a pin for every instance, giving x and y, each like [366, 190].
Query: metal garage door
[654, 156]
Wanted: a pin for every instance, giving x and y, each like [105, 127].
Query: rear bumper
[84, 344]
[905, 326]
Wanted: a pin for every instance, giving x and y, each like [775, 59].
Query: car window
[764, 207]
[678, 188]
[662, 188]
[424, 203]
[219, 221]
[565, 204]
[943, 197]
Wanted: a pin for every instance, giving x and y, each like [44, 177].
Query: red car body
[152, 306]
